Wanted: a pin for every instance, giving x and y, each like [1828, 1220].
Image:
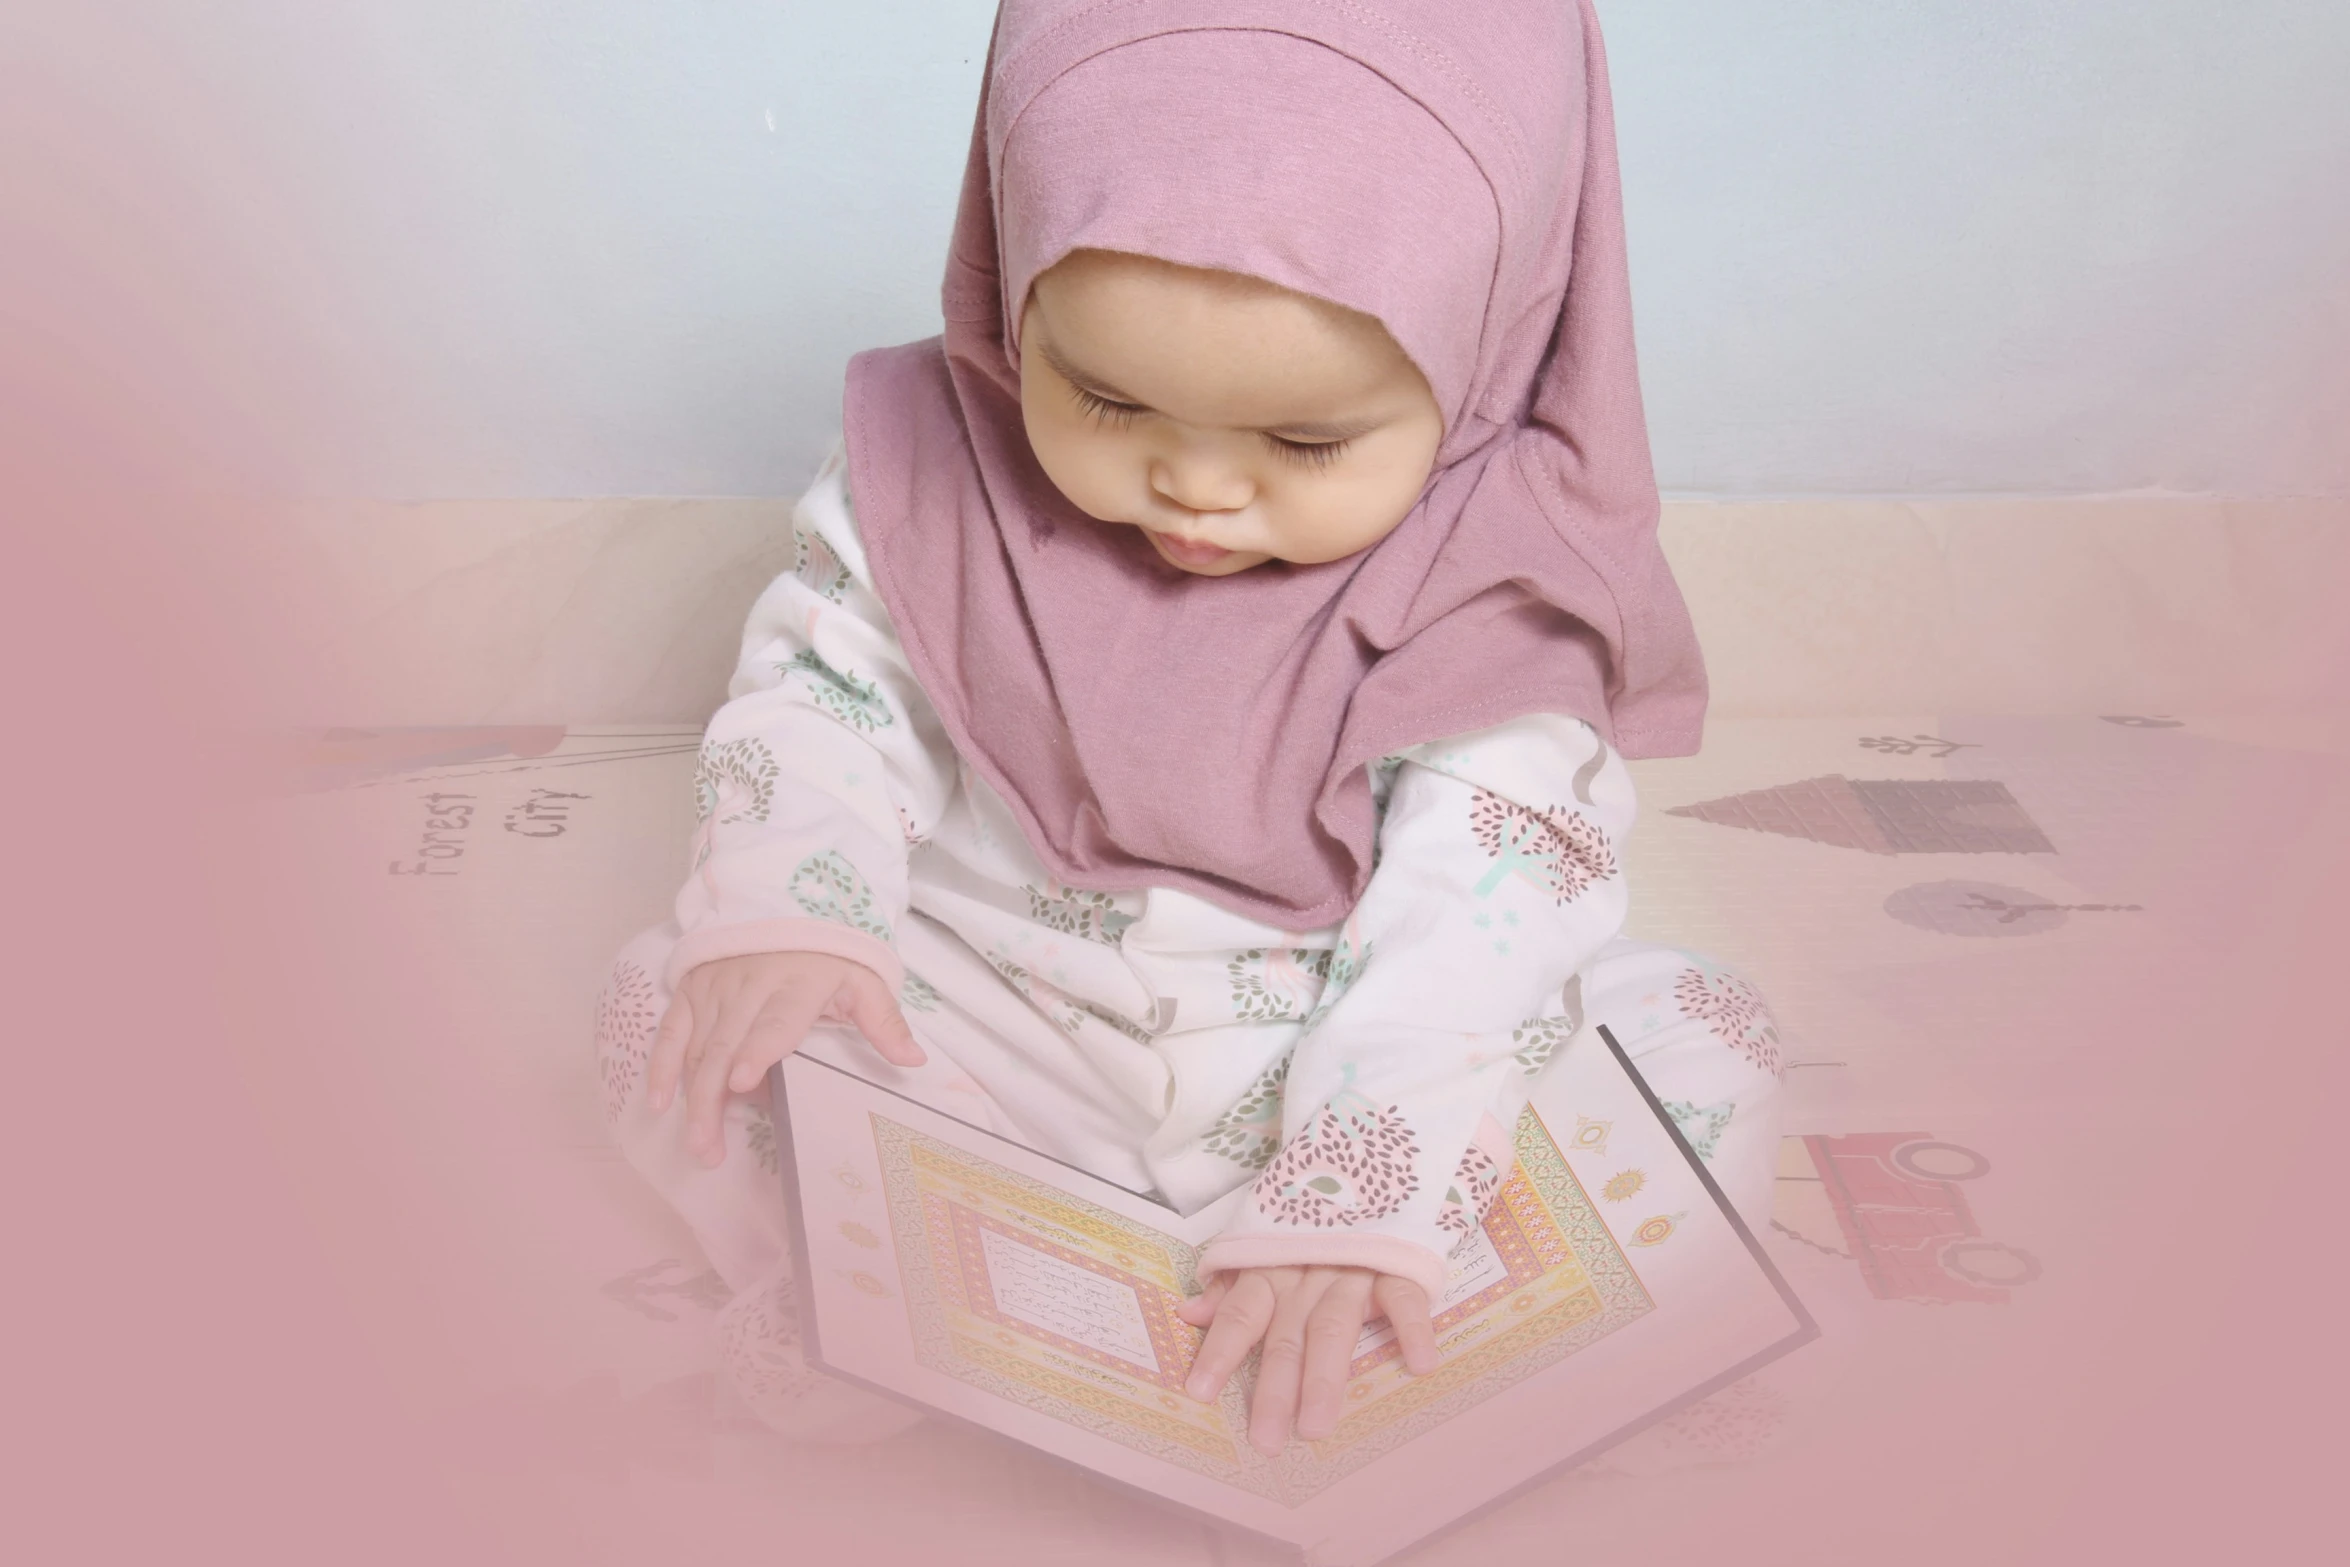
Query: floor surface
[2004, 953]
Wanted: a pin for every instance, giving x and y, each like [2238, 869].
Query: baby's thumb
[875, 1012]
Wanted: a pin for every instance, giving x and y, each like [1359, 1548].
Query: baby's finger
[1333, 1329]
[1241, 1316]
[677, 1026]
[868, 1004]
[1405, 1306]
[1272, 1404]
[774, 1033]
[705, 1124]
[1200, 1310]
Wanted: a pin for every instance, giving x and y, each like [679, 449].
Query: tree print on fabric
[1277, 984]
[1701, 1125]
[1345, 965]
[759, 1345]
[1470, 1194]
[918, 994]
[828, 886]
[1557, 851]
[1248, 1133]
[856, 703]
[625, 1026]
[1095, 916]
[759, 1136]
[1060, 1009]
[1732, 1010]
[815, 563]
[737, 777]
[1538, 1039]
[1352, 1164]
[1124, 1025]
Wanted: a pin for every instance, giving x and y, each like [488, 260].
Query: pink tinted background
[251, 1309]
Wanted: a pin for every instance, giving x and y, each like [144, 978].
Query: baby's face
[1231, 420]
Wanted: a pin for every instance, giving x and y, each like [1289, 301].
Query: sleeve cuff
[1380, 1253]
[785, 935]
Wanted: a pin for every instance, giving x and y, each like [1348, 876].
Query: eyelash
[1101, 410]
[1312, 454]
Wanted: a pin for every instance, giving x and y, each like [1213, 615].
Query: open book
[1609, 1285]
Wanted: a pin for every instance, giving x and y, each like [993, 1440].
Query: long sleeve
[1497, 881]
[825, 765]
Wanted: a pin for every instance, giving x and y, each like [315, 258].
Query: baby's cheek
[1342, 521]
[1096, 481]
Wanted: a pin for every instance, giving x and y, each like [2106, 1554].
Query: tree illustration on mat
[1556, 850]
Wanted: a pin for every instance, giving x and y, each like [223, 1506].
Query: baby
[1190, 741]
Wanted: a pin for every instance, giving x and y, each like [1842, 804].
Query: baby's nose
[1198, 482]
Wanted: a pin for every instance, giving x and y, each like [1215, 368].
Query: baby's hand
[1310, 1320]
[734, 1018]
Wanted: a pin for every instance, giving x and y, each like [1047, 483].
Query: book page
[1055, 1304]
[1069, 1310]
[945, 1264]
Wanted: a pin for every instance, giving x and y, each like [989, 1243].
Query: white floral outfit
[1358, 1078]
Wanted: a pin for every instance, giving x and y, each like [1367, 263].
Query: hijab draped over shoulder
[1449, 169]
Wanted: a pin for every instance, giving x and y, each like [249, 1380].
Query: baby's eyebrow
[1308, 430]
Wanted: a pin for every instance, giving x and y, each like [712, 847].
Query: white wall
[607, 247]
[1991, 245]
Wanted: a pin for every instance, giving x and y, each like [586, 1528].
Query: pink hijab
[1445, 167]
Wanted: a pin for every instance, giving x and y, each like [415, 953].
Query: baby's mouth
[1184, 552]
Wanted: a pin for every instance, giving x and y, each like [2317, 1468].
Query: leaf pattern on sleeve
[738, 777]
[856, 703]
[1352, 1164]
[828, 887]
